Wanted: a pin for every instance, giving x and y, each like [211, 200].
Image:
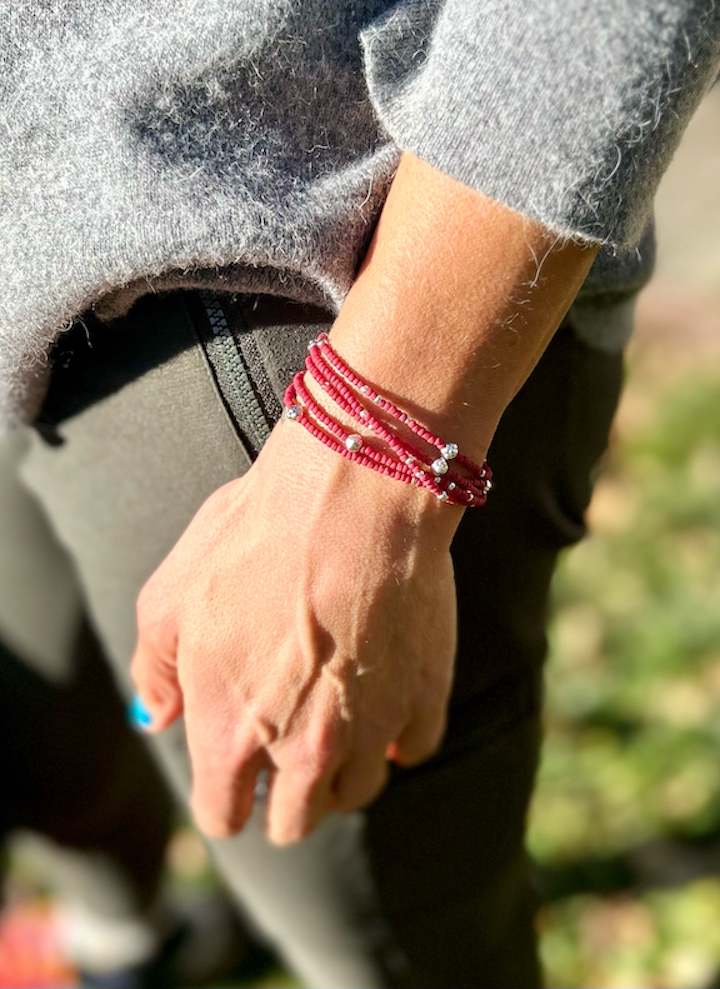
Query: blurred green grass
[625, 826]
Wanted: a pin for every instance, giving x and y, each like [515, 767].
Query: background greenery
[626, 822]
[625, 827]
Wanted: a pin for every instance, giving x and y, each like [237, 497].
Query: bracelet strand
[400, 459]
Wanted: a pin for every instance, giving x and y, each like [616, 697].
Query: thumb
[154, 674]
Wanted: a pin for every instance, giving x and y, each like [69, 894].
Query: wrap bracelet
[447, 473]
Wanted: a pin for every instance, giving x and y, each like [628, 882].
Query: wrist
[455, 302]
[378, 434]
[436, 396]
[328, 486]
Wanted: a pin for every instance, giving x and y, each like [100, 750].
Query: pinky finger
[360, 780]
[419, 739]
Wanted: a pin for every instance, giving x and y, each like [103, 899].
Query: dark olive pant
[430, 887]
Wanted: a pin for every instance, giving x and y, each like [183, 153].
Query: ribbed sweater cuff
[566, 112]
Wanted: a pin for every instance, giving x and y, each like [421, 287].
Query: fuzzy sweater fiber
[249, 144]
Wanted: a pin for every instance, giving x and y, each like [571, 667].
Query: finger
[360, 780]
[296, 805]
[420, 738]
[300, 791]
[224, 777]
[155, 677]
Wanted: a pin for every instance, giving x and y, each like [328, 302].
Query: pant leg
[143, 439]
[140, 439]
[70, 768]
[459, 895]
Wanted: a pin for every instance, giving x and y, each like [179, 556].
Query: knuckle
[317, 760]
[315, 756]
[312, 771]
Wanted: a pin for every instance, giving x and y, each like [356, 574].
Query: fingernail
[138, 715]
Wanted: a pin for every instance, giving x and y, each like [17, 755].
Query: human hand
[304, 624]
[305, 621]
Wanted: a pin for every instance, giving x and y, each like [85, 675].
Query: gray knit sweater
[250, 143]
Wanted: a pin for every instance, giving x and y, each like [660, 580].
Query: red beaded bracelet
[399, 458]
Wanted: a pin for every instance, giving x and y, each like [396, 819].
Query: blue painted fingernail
[138, 715]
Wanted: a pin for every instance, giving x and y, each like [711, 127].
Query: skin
[311, 631]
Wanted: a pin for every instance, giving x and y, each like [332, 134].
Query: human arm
[307, 627]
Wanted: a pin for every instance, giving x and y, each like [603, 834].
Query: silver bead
[451, 486]
[442, 496]
[449, 451]
[378, 399]
[293, 412]
[439, 466]
[488, 486]
[363, 414]
[313, 343]
[471, 496]
[364, 390]
[353, 443]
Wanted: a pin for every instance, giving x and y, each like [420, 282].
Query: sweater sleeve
[568, 112]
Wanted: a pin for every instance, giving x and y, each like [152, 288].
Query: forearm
[456, 300]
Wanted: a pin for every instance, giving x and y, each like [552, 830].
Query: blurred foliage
[632, 755]
[667, 939]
